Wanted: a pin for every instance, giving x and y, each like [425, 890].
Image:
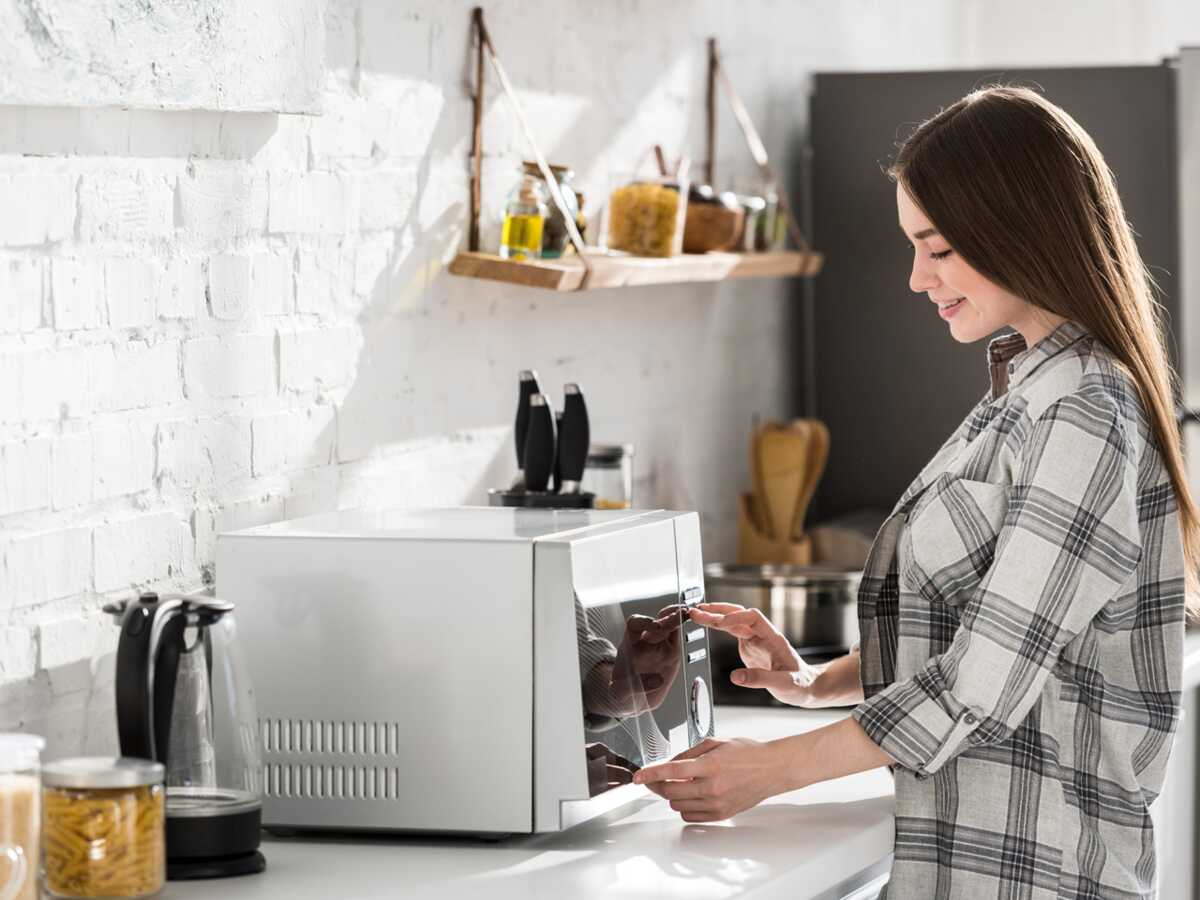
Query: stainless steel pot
[814, 606]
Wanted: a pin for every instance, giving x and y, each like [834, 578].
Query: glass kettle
[183, 698]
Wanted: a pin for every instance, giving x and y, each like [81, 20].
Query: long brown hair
[1023, 195]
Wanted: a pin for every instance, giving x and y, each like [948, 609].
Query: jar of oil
[524, 219]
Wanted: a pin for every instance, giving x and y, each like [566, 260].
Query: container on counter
[714, 220]
[646, 216]
[525, 214]
[20, 815]
[103, 828]
[555, 237]
[609, 475]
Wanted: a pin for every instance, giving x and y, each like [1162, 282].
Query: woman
[1022, 609]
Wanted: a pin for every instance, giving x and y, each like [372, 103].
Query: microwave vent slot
[327, 736]
[316, 782]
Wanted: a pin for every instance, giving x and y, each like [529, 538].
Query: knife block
[755, 548]
[540, 499]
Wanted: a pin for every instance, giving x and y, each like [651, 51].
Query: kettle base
[216, 867]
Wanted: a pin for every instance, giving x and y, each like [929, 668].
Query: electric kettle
[183, 698]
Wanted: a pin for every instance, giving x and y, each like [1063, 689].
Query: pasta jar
[103, 829]
[20, 819]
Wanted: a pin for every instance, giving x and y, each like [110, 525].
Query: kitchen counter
[814, 844]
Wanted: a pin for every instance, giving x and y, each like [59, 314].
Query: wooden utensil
[783, 453]
[818, 455]
[759, 509]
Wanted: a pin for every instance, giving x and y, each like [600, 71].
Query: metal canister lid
[19, 751]
[102, 772]
[608, 454]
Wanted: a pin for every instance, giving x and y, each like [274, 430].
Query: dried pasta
[644, 219]
[103, 842]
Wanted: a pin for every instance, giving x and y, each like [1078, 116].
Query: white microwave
[470, 670]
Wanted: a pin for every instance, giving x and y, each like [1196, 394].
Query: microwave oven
[472, 670]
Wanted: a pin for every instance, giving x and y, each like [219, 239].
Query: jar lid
[18, 750]
[608, 453]
[102, 772]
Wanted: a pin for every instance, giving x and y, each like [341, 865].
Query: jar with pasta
[645, 216]
[103, 830]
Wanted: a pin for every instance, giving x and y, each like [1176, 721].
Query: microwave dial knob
[701, 707]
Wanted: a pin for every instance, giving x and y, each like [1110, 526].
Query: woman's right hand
[771, 661]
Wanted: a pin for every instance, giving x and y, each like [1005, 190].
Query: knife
[539, 444]
[573, 438]
[528, 386]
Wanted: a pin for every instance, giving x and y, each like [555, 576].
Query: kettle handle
[147, 665]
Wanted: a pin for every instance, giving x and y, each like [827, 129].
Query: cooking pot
[816, 607]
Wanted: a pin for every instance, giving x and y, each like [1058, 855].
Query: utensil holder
[754, 547]
[540, 499]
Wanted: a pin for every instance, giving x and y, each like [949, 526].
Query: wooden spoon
[783, 452]
[818, 455]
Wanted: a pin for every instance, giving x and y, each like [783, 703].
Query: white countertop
[800, 845]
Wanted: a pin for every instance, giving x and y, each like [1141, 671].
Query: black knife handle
[528, 386]
[557, 481]
[539, 444]
[573, 438]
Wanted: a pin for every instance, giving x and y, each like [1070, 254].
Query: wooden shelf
[566, 274]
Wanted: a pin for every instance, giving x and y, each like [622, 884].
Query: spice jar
[525, 218]
[646, 216]
[609, 475]
[20, 815]
[103, 827]
[555, 237]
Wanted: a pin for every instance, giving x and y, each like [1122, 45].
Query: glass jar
[103, 827]
[525, 219]
[646, 216]
[609, 475]
[20, 815]
[555, 237]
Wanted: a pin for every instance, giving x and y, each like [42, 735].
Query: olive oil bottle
[524, 219]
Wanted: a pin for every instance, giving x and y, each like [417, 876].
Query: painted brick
[312, 203]
[220, 200]
[233, 515]
[294, 439]
[123, 459]
[77, 293]
[141, 550]
[239, 365]
[24, 476]
[64, 643]
[386, 199]
[317, 359]
[47, 566]
[18, 653]
[181, 295]
[136, 375]
[346, 132]
[204, 453]
[370, 266]
[130, 288]
[228, 286]
[38, 384]
[315, 283]
[71, 470]
[21, 295]
[126, 206]
[271, 283]
[38, 209]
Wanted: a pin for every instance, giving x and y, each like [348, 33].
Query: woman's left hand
[716, 779]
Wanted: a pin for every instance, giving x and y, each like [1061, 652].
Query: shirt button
[1011, 368]
[969, 719]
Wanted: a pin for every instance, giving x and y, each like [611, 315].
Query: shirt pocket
[951, 537]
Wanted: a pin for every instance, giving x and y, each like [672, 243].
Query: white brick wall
[212, 321]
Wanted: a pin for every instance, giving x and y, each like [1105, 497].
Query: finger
[652, 681]
[699, 750]
[721, 608]
[675, 770]
[680, 790]
[703, 815]
[617, 775]
[762, 678]
[693, 806]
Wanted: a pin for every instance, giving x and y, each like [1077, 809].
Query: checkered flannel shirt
[1022, 619]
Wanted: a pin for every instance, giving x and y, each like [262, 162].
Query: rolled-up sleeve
[1068, 545]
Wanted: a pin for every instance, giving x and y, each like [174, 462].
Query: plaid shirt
[1022, 616]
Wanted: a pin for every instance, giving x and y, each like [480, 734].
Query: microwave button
[693, 595]
[701, 707]
[694, 635]
[697, 655]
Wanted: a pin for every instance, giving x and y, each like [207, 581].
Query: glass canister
[20, 815]
[646, 216]
[525, 218]
[609, 475]
[103, 827]
[555, 238]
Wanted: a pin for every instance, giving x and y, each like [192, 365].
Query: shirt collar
[1010, 361]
